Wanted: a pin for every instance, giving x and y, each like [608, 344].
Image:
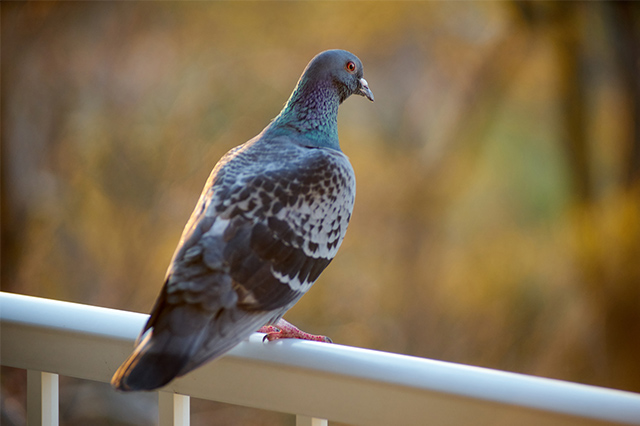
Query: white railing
[314, 381]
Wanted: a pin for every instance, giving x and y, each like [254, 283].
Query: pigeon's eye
[351, 67]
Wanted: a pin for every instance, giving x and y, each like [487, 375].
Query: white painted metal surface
[310, 421]
[173, 409]
[340, 383]
[42, 398]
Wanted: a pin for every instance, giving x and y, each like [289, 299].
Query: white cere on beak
[364, 89]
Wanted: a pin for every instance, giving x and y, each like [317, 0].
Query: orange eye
[351, 67]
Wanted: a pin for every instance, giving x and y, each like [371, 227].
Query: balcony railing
[314, 381]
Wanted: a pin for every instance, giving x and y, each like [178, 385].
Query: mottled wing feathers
[270, 219]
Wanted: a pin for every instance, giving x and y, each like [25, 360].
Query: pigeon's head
[341, 68]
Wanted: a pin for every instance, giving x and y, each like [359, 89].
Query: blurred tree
[624, 26]
[497, 220]
[604, 224]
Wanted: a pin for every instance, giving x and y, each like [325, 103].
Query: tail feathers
[231, 327]
[179, 341]
[156, 361]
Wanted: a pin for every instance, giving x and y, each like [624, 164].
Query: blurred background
[497, 218]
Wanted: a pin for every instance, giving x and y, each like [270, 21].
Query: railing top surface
[349, 364]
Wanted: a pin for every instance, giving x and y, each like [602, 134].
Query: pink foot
[285, 330]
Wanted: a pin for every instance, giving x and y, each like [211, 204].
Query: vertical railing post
[42, 398]
[310, 421]
[173, 409]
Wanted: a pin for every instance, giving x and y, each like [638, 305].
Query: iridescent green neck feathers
[310, 115]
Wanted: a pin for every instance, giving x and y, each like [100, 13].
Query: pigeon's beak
[364, 90]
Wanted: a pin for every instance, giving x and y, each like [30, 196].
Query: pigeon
[270, 218]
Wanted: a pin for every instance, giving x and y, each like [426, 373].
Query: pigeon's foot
[285, 330]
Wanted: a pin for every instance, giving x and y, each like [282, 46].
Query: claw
[285, 330]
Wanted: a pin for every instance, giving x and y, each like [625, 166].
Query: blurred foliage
[497, 221]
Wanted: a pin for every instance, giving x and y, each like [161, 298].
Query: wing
[271, 223]
[285, 226]
[270, 219]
